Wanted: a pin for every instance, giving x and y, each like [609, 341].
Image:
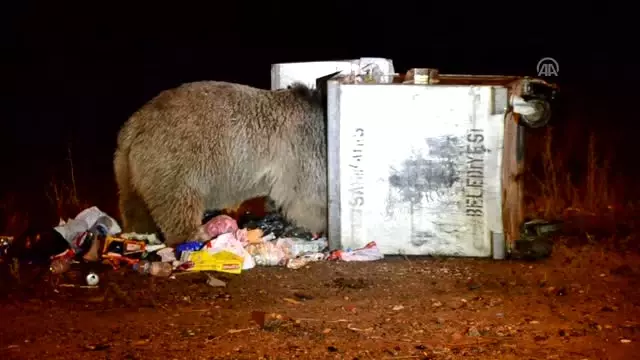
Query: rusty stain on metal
[512, 180]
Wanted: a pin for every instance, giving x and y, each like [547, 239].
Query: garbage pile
[223, 244]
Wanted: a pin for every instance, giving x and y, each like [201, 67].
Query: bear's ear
[321, 86]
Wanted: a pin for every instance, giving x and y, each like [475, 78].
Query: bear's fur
[211, 145]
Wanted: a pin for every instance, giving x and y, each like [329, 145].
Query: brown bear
[211, 145]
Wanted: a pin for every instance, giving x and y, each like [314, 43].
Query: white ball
[93, 279]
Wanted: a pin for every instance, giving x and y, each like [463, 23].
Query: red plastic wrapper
[219, 225]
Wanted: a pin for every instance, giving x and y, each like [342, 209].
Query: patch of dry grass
[62, 195]
[560, 188]
[574, 181]
[18, 213]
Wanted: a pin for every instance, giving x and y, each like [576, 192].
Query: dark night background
[72, 76]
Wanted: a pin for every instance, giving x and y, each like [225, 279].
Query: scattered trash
[5, 243]
[149, 238]
[92, 279]
[272, 223]
[541, 227]
[215, 282]
[167, 255]
[302, 260]
[155, 268]
[62, 263]
[91, 218]
[227, 241]
[223, 261]
[535, 241]
[369, 252]
[230, 242]
[267, 254]
[294, 247]
[217, 226]
[275, 223]
[245, 236]
[188, 247]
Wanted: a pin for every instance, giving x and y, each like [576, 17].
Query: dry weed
[63, 195]
[562, 188]
[63, 198]
[572, 180]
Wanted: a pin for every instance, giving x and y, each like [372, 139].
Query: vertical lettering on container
[474, 183]
[356, 186]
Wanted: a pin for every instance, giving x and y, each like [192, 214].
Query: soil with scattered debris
[582, 303]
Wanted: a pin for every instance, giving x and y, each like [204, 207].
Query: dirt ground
[582, 303]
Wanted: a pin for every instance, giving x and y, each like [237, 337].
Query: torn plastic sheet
[369, 252]
[84, 221]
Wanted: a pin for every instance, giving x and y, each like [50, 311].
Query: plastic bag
[220, 224]
[229, 242]
[295, 247]
[271, 223]
[369, 252]
[85, 220]
[267, 254]
[305, 259]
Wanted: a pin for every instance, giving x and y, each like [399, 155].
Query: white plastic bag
[229, 242]
[83, 222]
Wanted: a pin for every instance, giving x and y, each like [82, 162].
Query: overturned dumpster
[426, 163]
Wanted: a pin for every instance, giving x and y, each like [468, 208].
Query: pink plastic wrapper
[219, 225]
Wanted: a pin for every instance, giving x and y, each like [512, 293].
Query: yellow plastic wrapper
[223, 261]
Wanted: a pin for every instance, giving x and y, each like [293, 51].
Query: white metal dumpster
[424, 169]
[416, 168]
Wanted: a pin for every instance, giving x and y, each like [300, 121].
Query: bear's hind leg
[177, 212]
[135, 214]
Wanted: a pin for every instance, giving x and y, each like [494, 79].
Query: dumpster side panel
[334, 222]
[418, 168]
